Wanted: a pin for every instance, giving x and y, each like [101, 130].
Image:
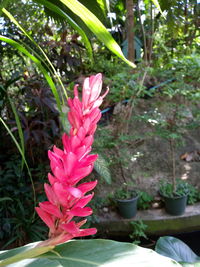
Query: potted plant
[175, 199]
[126, 199]
[174, 192]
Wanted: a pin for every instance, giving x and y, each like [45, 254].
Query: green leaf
[102, 169]
[95, 25]
[23, 50]
[19, 127]
[5, 199]
[38, 57]
[103, 6]
[22, 253]
[99, 252]
[176, 249]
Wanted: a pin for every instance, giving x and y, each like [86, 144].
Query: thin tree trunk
[130, 32]
[143, 34]
[152, 34]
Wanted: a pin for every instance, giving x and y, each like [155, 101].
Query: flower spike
[67, 197]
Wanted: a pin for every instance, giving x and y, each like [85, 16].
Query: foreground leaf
[176, 249]
[87, 253]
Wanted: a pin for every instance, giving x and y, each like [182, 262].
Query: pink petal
[78, 105]
[58, 151]
[74, 118]
[81, 133]
[78, 174]
[84, 201]
[60, 175]
[96, 85]
[86, 187]
[82, 151]
[89, 231]
[46, 218]
[75, 192]
[86, 92]
[88, 141]
[75, 142]
[69, 160]
[54, 160]
[76, 90]
[65, 194]
[86, 124]
[81, 212]
[87, 160]
[50, 208]
[94, 114]
[70, 228]
[50, 194]
[52, 179]
[92, 129]
[66, 142]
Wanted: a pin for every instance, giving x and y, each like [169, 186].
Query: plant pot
[175, 205]
[127, 207]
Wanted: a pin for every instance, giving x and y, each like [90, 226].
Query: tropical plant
[138, 231]
[145, 200]
[18, 225]
[176, 249]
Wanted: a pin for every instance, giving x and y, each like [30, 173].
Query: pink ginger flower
[67, 198]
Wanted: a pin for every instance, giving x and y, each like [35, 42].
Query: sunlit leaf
[100, 252]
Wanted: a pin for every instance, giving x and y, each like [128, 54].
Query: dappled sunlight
[187, 168]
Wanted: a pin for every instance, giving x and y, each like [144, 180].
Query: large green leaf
[95, 25]
[176, 249]
[88, 253]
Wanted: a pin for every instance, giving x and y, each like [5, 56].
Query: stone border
[157, 220]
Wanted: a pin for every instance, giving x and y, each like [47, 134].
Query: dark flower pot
[127, 207]
[175, 205]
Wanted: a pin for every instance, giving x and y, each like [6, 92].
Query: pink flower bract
[67, 197]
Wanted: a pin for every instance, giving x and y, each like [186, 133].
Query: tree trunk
[143, 34]
[130, 32]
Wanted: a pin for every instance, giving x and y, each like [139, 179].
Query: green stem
[173, 164]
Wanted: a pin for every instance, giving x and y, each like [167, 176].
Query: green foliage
[18, 226]
[138, 228]
[166, 189]
[125, 193]
[144, 200]
[101, 167]
[193, 195]
[85, 253]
